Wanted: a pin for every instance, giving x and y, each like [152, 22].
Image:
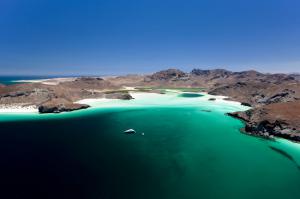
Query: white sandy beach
[53, 81]
[166, 100]
[93, 100]
[143, 99]
[18, 109]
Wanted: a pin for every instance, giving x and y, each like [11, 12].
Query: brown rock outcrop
[278, 119]
[118, 95]
[60, 105]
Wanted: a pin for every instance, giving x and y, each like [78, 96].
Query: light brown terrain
[274, 98]
[60, 97]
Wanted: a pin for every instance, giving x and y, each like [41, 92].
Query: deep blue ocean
[8, 80]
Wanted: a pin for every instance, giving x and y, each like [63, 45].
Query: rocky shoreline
[274, 98]
[58, 107]
[265, 122]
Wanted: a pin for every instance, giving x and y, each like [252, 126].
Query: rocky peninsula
[274, 98]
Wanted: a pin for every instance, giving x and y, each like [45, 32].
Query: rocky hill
[274, 98]
[58, 98]
[168, 75]
[259, 93]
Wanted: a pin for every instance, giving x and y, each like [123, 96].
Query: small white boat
[130, 131]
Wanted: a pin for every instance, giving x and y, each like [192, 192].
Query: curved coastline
[284, 149]
[220, 104]
[142, 100]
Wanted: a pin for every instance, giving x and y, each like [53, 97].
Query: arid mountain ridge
[274, 98]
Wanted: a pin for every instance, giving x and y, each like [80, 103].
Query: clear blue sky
[140, 36]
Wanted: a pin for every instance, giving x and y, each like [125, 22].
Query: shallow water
[185, 152]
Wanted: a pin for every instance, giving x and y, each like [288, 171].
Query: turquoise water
[190, 95]
[184, 152]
